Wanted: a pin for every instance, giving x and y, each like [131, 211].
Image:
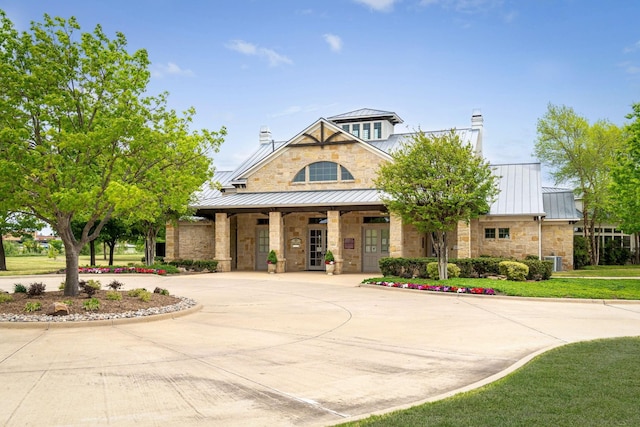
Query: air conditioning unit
[557, 262]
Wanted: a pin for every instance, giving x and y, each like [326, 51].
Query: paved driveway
[275, 350]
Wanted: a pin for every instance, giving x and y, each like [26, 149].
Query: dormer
[368, 124]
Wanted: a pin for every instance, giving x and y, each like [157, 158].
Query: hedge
[195, 265]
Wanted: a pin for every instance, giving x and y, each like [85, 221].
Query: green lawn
[602, 271]
[585, 384]
[23, 265]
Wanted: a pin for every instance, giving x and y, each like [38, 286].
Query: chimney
[477, 125]
[265, 135]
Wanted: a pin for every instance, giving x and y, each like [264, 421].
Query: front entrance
[262, 248]
[317, 248]
[375, 244]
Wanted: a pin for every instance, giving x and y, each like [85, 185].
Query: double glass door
[317, 248]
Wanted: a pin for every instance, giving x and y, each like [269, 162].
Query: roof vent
[265, 135]
[476, 119]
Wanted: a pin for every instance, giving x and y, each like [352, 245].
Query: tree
[15, 224]
[434, 182]
[625, 186]
[114, 230]
[80, 138]
[580, 154]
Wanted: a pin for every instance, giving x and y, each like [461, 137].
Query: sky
[244, 64]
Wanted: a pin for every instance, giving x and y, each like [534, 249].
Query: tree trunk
[112, 247]
[636, 238]
[3, 258]
[71, 271]
[92, 250]
[150, 245]
[104, 251]
[440, 243]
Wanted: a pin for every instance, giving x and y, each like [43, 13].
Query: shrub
[192, 265]
[90, 287]
[136, 292]
[272, 258]
[160, 291]
[580, 252]
[516, 271]
[68, 302]
[538, 270]
[36, 288]
[144, 296]
[30, 307]
[5, 298]
[328, 257]
[92, 304]
[61, 286]
[453, 270]
[19, 288]
[115, 285]
[114, 296]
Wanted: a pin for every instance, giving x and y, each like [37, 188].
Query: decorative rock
[58, 309]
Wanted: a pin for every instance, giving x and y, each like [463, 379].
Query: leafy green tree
[81, 138]
[113, 230]
[434, 182]
[625, 187]
[17, 225]
[582, 155]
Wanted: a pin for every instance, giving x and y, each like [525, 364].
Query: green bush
[115, 285]
[5, 298]
[90, 287]
[405, 267]
[114, 296]
[19, 288]
[92, 304]
[160, 291]
[30, 307]
[516, 271]
[580, 252]
[538, 269]
[453, 270]
[136, 292]
[191, 265]
[144, 296]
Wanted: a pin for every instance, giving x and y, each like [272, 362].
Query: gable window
[489, 233]
[503, 233]
[377, 130]
[355, 130]
[345, 127]
[322, 171]
[366, 130]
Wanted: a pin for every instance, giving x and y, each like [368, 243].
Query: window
[301, 176]
[503, 233]
[345, 128]
[322, 171]
[313, 221]
[366, 130]
[263, 221]
[377, 130]
[489, 233]
[345, 175]
[375, 220]
[355, 130]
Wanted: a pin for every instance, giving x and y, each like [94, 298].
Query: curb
[106, 322]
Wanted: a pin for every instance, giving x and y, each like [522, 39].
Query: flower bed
[435, 288]
[120, 270]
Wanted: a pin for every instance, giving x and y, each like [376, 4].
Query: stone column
[276, 239]
[173, 242]
[463, 243]
[223, 242]
[334, 239]
[396, 236]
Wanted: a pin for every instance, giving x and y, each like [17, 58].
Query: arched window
[323, 171]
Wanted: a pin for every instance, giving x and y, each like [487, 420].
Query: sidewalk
[302, 349]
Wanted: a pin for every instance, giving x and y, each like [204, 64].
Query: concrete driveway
[302, 349]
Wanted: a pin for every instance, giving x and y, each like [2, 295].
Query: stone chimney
[477, 125]
[265, 135]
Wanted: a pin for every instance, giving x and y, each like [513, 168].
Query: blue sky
[249, 63]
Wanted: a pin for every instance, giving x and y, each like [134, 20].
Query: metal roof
[520, 190]
[559, 203]
[367, 113]
[395, 141]
[207, 192]
[292, 199]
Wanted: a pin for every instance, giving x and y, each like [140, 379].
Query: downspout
[539, 237]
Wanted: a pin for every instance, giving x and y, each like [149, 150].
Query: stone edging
[45, 321]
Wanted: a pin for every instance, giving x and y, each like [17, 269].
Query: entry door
[262, 248]
[317, 248]
[375, 246]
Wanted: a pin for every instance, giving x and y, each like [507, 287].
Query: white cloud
[633, 48]
[171, 68]
[630, 68]
[464, 6]
[246, 48]
[294, 109]
[335, 42]
[379, 5]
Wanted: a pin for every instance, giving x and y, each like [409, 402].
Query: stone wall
[194, 240]
[557, 239]
[523, 237]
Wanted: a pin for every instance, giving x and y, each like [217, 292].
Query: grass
[24, 265]
[628, 289]
[602, 271]
[584, 384]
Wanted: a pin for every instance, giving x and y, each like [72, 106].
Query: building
[315, 192]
